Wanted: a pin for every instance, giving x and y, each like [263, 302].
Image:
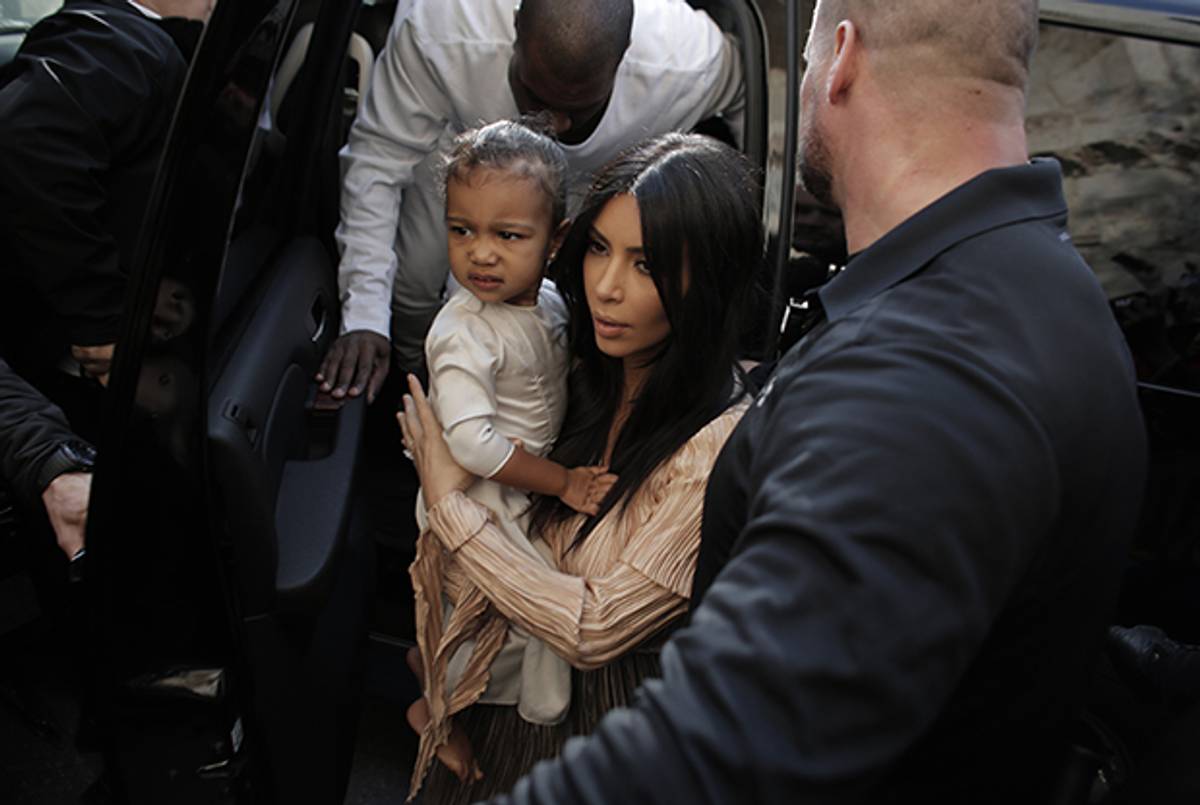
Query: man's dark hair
[575, 38]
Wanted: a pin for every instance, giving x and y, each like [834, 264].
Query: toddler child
[497, 359]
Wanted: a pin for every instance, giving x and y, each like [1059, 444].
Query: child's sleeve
[463, 362]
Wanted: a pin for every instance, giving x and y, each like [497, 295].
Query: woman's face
[627, 314]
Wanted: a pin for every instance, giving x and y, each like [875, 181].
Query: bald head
[987, 41]
[904, 100]
[575, 38]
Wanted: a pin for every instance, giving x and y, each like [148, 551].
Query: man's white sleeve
[403, 113]
[726, 87]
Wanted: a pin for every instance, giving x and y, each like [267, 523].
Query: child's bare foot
[457, 755]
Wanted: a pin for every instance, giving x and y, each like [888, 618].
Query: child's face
[500, 232]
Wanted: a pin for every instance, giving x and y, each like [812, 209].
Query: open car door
[228, 569]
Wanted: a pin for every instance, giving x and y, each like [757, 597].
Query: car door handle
[320, 318]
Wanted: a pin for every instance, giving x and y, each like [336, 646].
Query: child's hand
[586, 488]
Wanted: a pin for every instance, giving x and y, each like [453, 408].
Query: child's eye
[460, 231]
[506, 235]
[596, 247]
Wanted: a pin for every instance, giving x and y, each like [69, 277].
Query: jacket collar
[993, 199]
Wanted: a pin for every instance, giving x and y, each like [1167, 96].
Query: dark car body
[233, 552]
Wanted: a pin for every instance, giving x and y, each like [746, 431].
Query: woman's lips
[607, 328]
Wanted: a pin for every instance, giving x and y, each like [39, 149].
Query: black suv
[245, 585]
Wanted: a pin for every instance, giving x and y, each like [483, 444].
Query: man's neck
[891, 178]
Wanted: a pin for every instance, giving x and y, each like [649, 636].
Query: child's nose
[482, 252]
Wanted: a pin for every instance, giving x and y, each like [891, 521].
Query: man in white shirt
[608, 72]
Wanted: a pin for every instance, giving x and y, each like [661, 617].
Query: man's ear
[847, 49]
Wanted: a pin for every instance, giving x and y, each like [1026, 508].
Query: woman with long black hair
[655, 270]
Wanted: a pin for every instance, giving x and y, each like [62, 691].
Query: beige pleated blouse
[631, 577]
[628, 579]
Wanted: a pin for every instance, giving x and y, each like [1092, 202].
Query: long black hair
[701, 230]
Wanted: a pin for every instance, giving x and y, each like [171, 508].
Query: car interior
[280, 527]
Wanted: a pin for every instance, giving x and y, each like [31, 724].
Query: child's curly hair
[520, 146]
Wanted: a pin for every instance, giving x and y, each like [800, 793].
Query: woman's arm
[588, 621]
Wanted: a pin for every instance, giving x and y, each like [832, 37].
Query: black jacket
[84, 112]
[31, 430]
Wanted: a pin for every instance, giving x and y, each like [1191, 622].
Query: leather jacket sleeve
[31, 430]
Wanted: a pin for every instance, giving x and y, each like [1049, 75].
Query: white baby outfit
[499, 372]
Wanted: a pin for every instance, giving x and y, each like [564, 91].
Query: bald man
[912, 541]
[608, 73]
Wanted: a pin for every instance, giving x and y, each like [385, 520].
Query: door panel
[282, 468]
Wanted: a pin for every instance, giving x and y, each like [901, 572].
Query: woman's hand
[439, 473]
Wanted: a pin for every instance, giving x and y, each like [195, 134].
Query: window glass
[1122, 116]
[26, 11]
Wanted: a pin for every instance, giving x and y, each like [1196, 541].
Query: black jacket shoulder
[85, 108]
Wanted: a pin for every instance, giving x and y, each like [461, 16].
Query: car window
[23, 13]
[17, 17]
[1120, 114]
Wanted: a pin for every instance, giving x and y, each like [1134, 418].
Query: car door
[1114, 101]
[228, 570]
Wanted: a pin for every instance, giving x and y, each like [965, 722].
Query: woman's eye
[595, 247]
[642, 266]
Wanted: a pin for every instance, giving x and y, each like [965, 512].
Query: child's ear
[556, 240]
